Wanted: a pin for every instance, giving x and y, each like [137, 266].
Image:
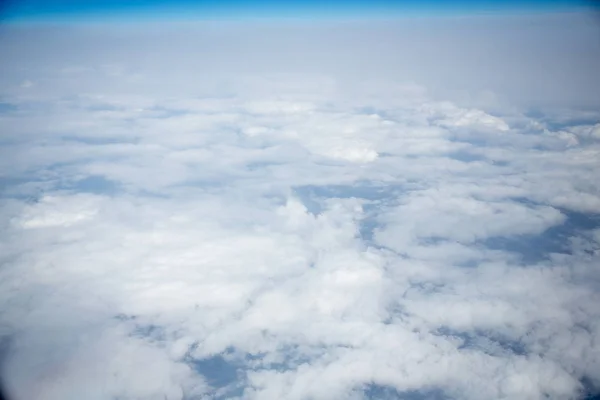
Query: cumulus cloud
[296, 235]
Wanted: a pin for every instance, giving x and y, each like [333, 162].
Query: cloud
[291, 235]
[435, 214]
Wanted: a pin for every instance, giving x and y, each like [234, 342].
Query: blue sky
[132, 10]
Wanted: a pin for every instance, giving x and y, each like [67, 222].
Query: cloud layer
[294, 235]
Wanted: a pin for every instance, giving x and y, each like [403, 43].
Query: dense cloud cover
[196, 219]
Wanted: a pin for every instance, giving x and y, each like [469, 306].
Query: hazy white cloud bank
[174, 226]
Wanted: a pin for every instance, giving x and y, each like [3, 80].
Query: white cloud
[316, 232]
[53, 211]
[437, 214]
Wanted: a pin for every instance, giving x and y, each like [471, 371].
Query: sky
[264, 202]
[130, 10]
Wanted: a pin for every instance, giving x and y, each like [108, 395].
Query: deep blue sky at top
[133, 10]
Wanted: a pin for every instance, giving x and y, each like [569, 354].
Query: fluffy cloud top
[296, 235]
